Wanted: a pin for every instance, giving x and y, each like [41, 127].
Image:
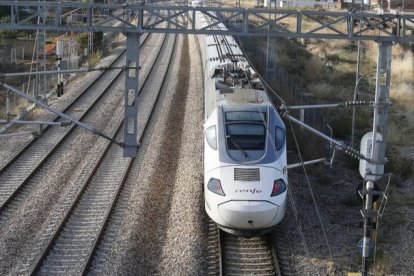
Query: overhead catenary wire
[290, 194]
[283, 102]
[272, 143]
[299, 225]
[289, 191]
[61, 114]
[313, 196]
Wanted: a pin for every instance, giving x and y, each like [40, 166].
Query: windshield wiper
[244, 153]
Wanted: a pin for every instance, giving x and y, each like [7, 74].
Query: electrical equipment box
[59, 48]
[374, 168]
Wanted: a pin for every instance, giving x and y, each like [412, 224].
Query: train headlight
[214, 185]
[279, 186]
[211, 137]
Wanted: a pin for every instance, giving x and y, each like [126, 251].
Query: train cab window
[211, 137]
[241, 136]
[245, 130]
[279, 137]
[246, 116]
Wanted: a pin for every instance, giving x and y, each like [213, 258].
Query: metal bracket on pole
[305, 163]
[131, 96]
[56, 111]
[23, 122]
[45, 106]
[334, 105]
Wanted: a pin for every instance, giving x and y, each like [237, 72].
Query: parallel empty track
[18, 172]
[69, 244]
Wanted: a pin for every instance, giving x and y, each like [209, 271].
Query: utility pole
[40, 81]
[373, 148]
[89, 18]
[357, 79]
[59, 53]
[270, 48]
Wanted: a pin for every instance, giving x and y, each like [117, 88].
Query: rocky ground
[164, 230]
[322, 240]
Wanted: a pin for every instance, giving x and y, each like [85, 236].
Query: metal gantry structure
[350, 25]
[385, 29]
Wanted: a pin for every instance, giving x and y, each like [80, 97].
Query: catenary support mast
[373, 145]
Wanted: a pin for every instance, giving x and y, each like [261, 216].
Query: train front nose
[248, 214]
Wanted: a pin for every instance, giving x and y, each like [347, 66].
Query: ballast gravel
[164, 229]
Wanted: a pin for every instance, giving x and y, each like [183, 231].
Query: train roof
[236, 83]
[234, 98]
[223, 50]
[239, 96]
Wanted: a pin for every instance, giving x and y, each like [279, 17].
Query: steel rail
[115, 217]
[56, 145]
[281, 252]
[247, 255]
[66, 219]
[271, 248]
[44, 158]
[66, 109]
[214, 254]
[141, 137]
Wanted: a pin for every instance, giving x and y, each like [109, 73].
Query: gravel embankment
[184, 248]
[48, 187]
[10, 145]
[334, 191]
[162, 232]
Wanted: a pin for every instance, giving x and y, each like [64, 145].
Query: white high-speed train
[245, 186]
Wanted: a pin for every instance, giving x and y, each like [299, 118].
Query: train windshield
[245, 130]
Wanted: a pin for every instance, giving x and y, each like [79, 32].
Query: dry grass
[307, 61]
[402, 73]
[383, 266]
[402, 80]
[94, 58]
[243, 4]
[339, 82]
[402, 63]
[403, 93]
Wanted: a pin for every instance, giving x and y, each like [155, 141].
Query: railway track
[69, 243]
[117, 62]
[236, 255]
[18, 172]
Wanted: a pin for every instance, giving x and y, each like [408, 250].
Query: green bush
[97, 41]
[82, 42]
[94, 58]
